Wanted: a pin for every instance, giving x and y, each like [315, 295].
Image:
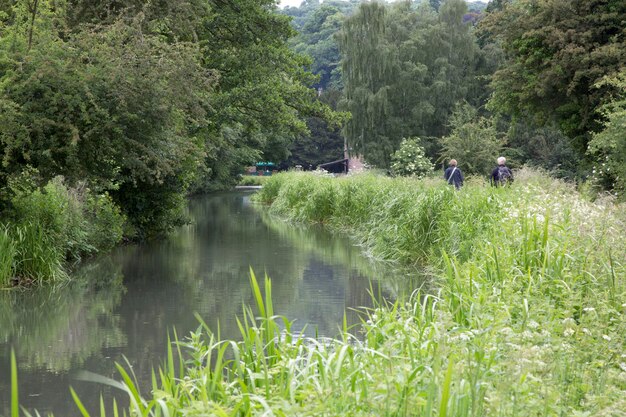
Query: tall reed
[37, 257]
[7, 257]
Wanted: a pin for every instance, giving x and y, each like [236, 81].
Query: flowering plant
[410, 159]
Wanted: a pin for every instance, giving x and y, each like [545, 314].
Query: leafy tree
[557, 51]
[474, 141]
[369, 67]
[542, 146]
[117, 117]
[404, 69]
[316, 39]
[608, 146]
[146, 99]
[410, 160]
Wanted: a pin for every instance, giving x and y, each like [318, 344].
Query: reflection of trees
[395, 281]
[323, 249]
[57, 328]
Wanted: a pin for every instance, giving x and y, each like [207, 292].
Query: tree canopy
[148, 101]
[404, 69]
[557, 50]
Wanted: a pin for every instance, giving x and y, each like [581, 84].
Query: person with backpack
[501, 175]
[453, 174]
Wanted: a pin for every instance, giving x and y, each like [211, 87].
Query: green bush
[58, 210]
[51, 225]
[410, 160]
[474, 141]
[105, 222]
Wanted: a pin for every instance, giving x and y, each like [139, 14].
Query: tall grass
[395, 219]
[27, 253]
[37, 257]
[7, 254]
[53, 224]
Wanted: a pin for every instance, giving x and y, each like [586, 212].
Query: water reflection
[126, 303]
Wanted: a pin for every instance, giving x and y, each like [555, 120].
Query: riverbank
[528, 316]
[46, 229]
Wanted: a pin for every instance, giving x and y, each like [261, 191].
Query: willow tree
[369, 67]
[404, 69]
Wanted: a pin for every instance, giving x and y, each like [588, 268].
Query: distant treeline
[539, 82]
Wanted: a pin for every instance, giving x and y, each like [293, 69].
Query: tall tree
[557, 50]
[404, 69]
[369, 68]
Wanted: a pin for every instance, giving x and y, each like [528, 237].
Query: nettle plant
[410, 159]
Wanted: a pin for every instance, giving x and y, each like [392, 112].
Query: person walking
[501, 175]
[453, 174]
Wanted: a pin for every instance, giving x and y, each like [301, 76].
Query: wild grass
[49, 227]
[252, 180]
[37, 258]
[7, 254]
[394, 219]
[528, 316]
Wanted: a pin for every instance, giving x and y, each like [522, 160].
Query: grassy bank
[528, 317]
[44, 230]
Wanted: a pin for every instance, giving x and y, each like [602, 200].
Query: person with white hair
[501, 175]
[453, 174]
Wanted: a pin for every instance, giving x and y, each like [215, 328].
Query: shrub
[609, 145]
[53, 224]
[59, 212]
[411, 160]
[105, 222]
[473, 142]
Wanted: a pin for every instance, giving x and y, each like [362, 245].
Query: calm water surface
[124, 304]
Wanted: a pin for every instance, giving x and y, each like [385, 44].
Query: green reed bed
[528, 318]
[26, 251]
[7, 253]
[394, 219]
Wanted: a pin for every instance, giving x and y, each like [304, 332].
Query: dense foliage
[142, 103]
[474, 140]
[404, 69]
[609, 145]
[557, 52]
[406, 66]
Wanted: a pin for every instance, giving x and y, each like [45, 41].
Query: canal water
[121, 307]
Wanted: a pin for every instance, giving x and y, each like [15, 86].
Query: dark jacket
[457, 176]
[501, 175]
